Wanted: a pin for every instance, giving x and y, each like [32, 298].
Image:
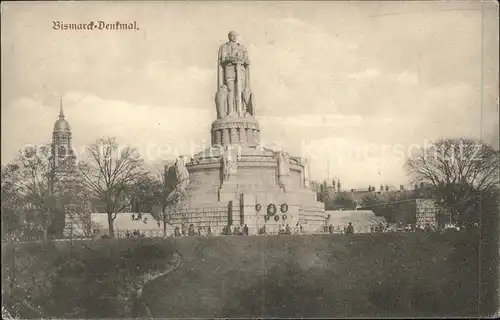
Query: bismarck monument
[238, 181]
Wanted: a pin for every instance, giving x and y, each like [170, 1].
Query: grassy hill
[319, 276]
[356, 275]
[86, 279]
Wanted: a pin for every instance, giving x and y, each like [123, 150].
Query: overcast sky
[352, 85]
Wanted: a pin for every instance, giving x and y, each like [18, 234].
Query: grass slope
[89, 279]
[357, 275]
[318, 276]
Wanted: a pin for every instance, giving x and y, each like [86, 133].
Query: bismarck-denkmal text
[96, 25]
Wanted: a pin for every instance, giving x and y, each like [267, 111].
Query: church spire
[61, 112]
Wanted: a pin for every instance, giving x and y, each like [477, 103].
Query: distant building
[415, 204]
[388, 191]
[63, 157]
[63, 160]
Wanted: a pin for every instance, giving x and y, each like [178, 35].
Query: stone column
[225, 137]
[234, 136]
[242, 134]
[256, 135]
[218, 137]
[250, 136]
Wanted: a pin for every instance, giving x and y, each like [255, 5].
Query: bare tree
[165, 188]
[10, 200]
[78, 212]
[321, 190]
[38, 185]
[168, 191]
[460, 172]
[315, 187]
[111, 174]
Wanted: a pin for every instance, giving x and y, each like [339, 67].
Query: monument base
[249, 195]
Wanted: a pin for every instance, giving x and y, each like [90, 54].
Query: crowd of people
[239, 230]
[394, 227]
[135, 234]
[192, 231]
[281, 230]
[348, 229]
[242, 230]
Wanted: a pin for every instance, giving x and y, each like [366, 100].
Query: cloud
[314, 121]
[406, 78]
[91, 117]
[369, 74]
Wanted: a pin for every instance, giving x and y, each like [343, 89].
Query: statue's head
[233, 36]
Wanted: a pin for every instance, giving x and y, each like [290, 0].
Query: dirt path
[174, 264]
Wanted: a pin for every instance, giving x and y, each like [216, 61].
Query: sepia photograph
[250, 159]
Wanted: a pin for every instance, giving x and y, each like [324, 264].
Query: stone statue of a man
[233, 96]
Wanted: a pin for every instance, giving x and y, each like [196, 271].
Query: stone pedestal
[231, 130]
[254, 182]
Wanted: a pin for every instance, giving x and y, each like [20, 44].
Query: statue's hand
[239, 60]
[230, 59]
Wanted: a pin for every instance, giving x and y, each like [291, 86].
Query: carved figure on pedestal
[306, 173]
[229, 164]
[182, 172]
[234, 76]
[283, 169]
[249, 102]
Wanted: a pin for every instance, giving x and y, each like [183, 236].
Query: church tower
[63, 160]
[63, 154]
